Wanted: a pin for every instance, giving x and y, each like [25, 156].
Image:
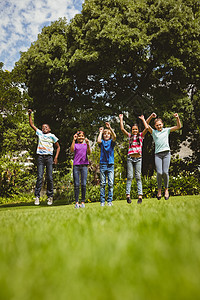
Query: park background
[116, 56]
[131, 57]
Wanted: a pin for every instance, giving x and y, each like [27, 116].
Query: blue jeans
[162, 162]
[134, 162]
[42, 162]
[80, 170]
[106, 170]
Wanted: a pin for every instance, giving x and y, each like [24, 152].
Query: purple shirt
[80, 154]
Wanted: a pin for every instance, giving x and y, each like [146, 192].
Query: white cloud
[22, 20]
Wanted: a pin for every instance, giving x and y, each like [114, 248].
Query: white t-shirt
[45, 142]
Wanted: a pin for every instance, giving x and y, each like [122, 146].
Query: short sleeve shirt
[80, 154]
[161, 139]
[134, 146]
[107, 152]
[45, 142]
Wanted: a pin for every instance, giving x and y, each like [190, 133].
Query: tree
[117, 55]
[14, 128]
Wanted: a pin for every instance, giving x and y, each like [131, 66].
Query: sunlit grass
[148, 251]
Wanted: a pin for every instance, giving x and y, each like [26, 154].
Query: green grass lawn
[149, 251]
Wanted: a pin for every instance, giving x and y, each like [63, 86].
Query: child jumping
[46, 140]
[134, 159]
[106, 141]
[162, 151]
[80, 165]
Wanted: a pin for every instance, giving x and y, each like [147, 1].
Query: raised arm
[30, 120]
[57, 153]
[101, 129]
[73, 143]
[145, 125]
[178, 123]
[112, 131]
[122, 125]
[88, 146]
[148, 120]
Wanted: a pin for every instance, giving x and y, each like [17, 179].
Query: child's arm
[73, 143]
[88, 146]
[30, 120]
[153, 115]
[178, 123]
[57, 153]
[112, 131]
[122, 125]
[101, 129]
[145, 125]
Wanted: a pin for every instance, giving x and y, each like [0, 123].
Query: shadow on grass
[31, 204]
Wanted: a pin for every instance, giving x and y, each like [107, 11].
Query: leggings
[162, 162]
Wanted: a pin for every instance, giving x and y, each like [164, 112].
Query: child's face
[80, 137]
[135, 130]
[106, 135]
[45, 128]
[159, 125]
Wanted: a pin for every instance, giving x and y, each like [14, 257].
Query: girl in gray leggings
[162, 151]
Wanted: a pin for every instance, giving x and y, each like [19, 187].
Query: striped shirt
[134, 146]
[45, 142]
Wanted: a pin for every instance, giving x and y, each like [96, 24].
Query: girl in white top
[162, 151]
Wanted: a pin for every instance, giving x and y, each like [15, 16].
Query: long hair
[138, 135]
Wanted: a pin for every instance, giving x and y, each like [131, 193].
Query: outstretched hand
[121, 116]
[153, 115]
[30, 111]
[75, 136]
[101, 129]
[141, 117]
[108, 125]
[176, 115]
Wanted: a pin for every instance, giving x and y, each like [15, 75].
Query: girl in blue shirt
[162, 151]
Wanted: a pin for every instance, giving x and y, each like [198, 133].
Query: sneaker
[102, 203]
[139, 201]
[50, 201]
[37, 201]
[82, 205]
[128, 199]
[110, 204]
[76, 205]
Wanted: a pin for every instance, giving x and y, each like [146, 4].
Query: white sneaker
[50, 201]
[110, 204]
[37, 201]
[102, 203]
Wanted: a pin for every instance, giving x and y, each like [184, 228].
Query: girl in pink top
[134, 159]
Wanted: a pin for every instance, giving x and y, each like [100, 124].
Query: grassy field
[149, 251]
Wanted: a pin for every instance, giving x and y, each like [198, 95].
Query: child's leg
[158, 163]
[138, 168]
[49, 166]
[166, 164]
[103, 171]
[84, 171]
[129, 176]
[76, 170]
[40, 172]
[110, 182]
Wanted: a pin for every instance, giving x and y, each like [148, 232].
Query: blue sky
[22, 20]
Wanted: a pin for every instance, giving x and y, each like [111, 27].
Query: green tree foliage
[117, 55]
[15, 134]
